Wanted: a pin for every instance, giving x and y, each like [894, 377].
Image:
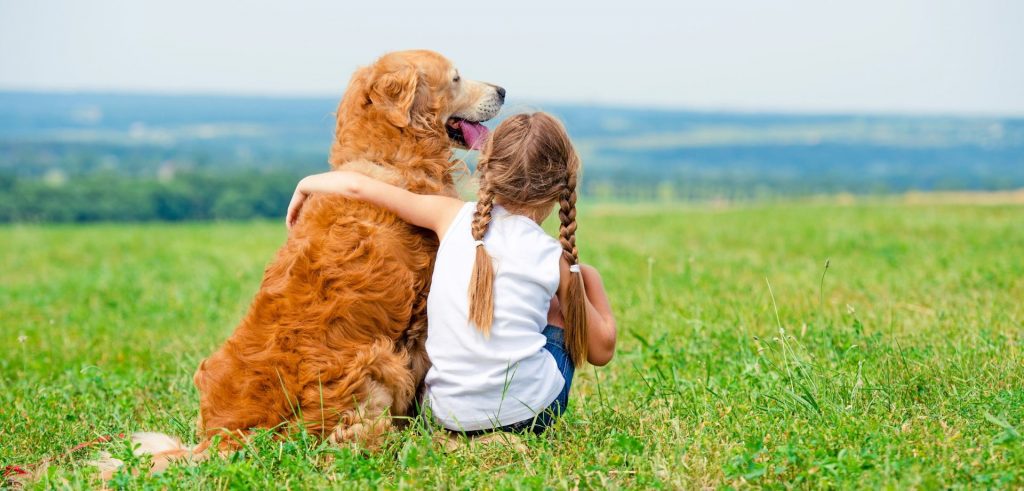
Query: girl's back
[477, 381]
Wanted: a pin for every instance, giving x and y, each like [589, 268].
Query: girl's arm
[422, 210]
[601, 331]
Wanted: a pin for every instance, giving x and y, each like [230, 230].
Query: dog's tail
[163, 449]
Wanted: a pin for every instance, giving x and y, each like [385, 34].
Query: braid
[575, 309]
[482, 216]
[481, 283]
[567, 217]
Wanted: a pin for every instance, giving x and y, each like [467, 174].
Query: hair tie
[574, 268]
[478, 243]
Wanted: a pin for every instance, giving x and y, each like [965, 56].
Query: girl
[511, 312]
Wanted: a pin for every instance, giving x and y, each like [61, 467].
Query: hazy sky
[861, 55]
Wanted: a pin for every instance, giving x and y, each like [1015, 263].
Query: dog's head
[423, 91]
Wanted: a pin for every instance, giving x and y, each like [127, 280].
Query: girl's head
[527, 165]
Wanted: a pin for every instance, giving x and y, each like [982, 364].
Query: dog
[334, 339]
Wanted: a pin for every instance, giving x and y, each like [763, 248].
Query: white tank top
[481, 383]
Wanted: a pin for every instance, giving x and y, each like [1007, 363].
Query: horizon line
[641, 106]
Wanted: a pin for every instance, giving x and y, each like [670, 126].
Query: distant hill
[628, 153]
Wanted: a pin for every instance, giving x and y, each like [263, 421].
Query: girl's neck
[535, 213]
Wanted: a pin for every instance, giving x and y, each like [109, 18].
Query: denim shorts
[537, 424]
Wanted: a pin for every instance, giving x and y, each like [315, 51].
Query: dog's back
[325, 337]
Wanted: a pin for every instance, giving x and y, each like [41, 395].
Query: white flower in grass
[22, 338]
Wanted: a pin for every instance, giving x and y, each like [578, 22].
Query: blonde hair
[528, 162]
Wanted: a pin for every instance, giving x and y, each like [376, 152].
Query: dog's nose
[501, 93]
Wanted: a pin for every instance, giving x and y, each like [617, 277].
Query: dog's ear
[393, 93]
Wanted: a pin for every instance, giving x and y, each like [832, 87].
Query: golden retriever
[334, 339]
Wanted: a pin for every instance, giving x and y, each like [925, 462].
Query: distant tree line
[112, 197]
[262, 194]
[90, 182]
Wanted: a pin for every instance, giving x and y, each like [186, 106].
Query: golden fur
[334, 337]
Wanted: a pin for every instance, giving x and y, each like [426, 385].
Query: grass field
[900, 366]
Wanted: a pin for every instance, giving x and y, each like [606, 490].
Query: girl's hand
[295, 206]
[335, 182]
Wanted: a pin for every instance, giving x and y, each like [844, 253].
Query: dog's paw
[107, 465]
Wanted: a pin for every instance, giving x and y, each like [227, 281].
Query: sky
[892, 56]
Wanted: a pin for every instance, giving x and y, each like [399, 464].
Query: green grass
[901, 367]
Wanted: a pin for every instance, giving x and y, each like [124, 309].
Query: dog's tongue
[473, 133]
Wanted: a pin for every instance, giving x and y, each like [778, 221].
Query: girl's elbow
[601, 354]
[600, 359]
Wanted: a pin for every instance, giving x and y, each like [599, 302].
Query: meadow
[806, 345]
